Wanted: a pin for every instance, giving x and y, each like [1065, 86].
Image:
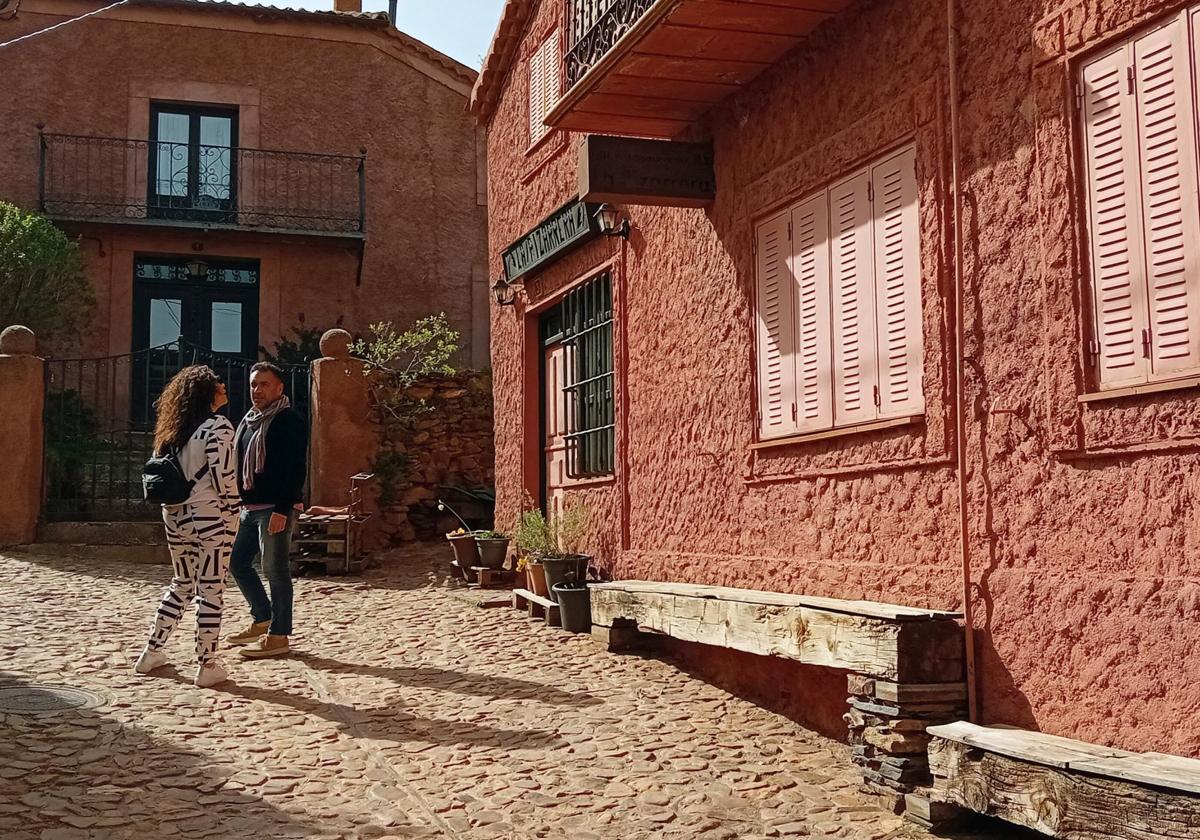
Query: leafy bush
[42, 282]
[558, 535]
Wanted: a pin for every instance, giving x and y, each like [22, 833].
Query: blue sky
[460, 28]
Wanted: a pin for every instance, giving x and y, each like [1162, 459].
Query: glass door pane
[216, 164]
[166, 321]
[171, 154]
[226, 327]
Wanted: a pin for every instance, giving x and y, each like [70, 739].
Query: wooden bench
[537, 606]
[1065, 788]
[907, 664]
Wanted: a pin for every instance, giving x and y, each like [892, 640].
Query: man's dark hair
[269, 367]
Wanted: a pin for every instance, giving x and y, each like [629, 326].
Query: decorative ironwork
[594, 27]
[99, 424]
[179, 271]
[115, 179]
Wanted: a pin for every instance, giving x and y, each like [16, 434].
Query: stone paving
[404, 711]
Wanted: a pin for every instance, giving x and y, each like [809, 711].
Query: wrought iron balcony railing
[143, 181]
[593, 27]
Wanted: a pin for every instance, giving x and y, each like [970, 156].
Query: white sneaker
[210, 674]
[149, 660]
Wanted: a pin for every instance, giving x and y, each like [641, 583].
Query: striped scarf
[258, 422]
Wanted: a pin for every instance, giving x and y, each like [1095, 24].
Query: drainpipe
[960, 391]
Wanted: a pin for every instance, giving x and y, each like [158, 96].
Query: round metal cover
[32, 699]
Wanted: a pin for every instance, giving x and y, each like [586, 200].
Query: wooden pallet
[537, 606]
[486, 577]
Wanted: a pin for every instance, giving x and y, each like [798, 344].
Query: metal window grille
[587, 314]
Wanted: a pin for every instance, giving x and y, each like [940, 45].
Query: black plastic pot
[574, 607]
[492, 552]
[571, 568]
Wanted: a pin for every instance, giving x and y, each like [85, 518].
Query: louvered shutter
[551, 71]
[776, 358]
[536, 96]
[810, 270]
[853, 297]
[897, 247]
[1171, 227]
[1114, 217]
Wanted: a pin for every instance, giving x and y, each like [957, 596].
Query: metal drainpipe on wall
[960, 396]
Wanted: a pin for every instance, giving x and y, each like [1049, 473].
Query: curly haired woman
[200, 531]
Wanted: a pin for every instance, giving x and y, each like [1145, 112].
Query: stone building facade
[1061, 392]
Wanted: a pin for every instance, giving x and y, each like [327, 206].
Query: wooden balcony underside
[680, 59]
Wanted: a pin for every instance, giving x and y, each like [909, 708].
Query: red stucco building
[812, 385]
[316, 166]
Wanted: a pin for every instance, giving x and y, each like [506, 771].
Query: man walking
[272, 451]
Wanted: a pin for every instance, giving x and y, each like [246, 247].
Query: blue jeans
[251, 543]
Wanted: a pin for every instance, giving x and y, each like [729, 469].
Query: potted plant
[533, 540]
[466, 553]
[562, 560]
[493, 548]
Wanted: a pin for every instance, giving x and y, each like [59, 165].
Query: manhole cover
[31, 699]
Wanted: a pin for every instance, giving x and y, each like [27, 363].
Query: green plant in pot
[567, 530]
[532, 536]
[493, 548]
[462, 542]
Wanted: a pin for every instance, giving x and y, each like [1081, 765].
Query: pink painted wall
[1085, 576]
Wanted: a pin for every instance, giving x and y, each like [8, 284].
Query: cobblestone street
[404, 711]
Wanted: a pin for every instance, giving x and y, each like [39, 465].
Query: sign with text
[624, 170]
[565, 229]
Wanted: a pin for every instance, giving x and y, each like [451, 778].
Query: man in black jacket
[272, 447]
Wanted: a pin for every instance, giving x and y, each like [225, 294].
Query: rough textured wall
[425, 251]
[450, 446]
[1084, 581]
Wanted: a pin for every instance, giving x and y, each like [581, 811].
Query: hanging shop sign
[562, 231]
[625, 170]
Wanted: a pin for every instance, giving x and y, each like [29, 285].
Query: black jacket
[281, 483]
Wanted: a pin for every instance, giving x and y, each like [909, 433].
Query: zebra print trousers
[200, 537]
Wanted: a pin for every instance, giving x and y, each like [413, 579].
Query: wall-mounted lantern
[611, 222]
[504, 292]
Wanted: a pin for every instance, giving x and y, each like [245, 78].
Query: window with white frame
[1138, 114]
[543, 87]
[839, 304]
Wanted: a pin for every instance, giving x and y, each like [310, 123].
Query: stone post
[22, 394]
[342, 440]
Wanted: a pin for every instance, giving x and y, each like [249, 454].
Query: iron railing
[99, 424]
[143, 181]
[593, 27]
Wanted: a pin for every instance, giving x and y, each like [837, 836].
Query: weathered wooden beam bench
[1065, 788]
[537, 606]
[907, 664]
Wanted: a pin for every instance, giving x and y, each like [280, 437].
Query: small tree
[396, 363]
[42, 282]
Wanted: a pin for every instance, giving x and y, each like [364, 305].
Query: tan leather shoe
[266, 646]
[250, 635]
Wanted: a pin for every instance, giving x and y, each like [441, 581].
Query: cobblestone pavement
[404, 712]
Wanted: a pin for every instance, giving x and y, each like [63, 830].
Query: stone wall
[450, 445]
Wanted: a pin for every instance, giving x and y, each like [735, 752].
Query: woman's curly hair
[185, 403]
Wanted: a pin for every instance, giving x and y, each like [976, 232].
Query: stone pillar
[22, 394]
[342, 440]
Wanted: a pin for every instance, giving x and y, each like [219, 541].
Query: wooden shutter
[810, 270]
[551, 66]
[536, 96]
[776, 357]
[853, 294]
[897, 247]
[1171, 227]
[1114, 217]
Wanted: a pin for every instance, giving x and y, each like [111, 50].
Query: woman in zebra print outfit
[200, 531]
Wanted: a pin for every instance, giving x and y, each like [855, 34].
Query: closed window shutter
[810, 269]
[1171, 227]
[1114, 216]
[896, 229]
[776, 357]
[853, 292]
[551, 71]
[536, 96]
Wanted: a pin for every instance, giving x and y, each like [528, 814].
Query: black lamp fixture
[504, 292]
[611, 222]
[197, 269]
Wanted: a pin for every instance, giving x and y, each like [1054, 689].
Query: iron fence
[99, 424]
[593, 28]
[117, 179]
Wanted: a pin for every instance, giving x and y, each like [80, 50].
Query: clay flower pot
[536, 574]
[466, 554]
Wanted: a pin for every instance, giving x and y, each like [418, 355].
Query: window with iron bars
[587, 329]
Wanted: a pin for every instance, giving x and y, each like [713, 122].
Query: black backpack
[163, 481]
